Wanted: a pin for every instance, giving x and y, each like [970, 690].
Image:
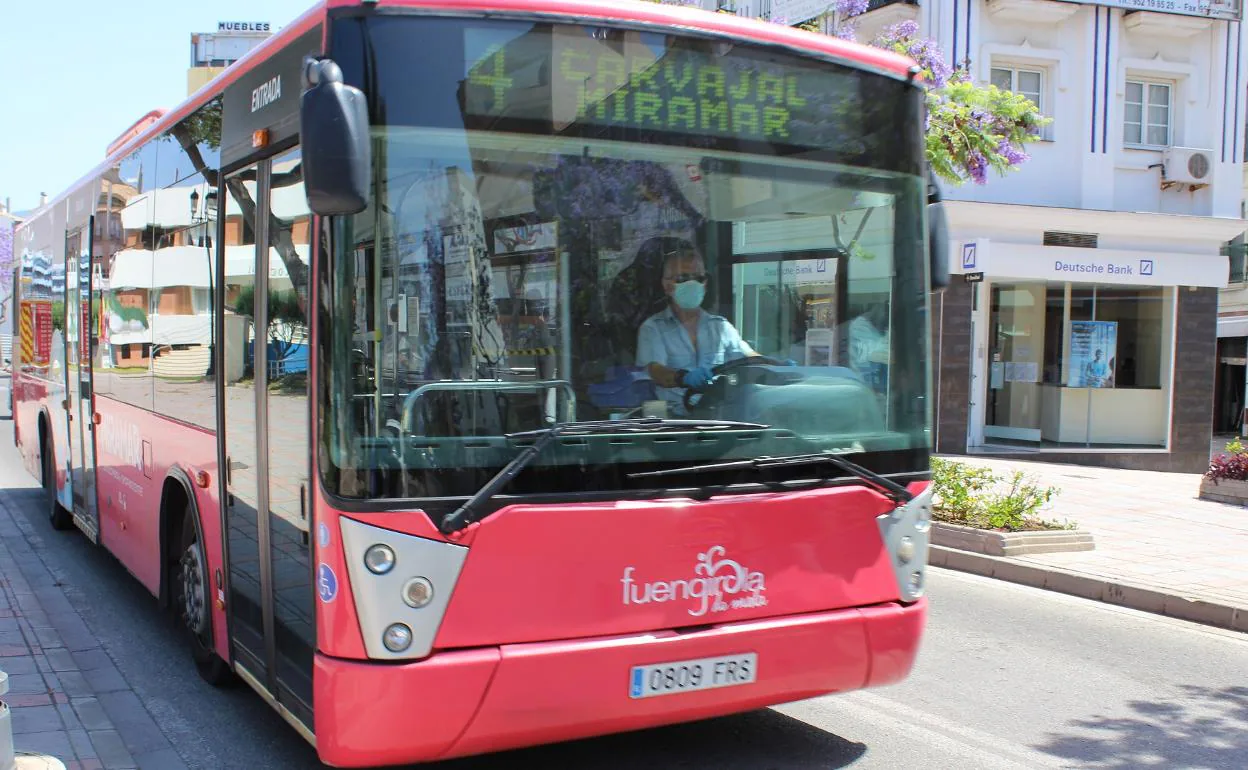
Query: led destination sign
[683, 96]
[686, 90]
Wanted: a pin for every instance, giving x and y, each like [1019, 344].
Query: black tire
[61, 519]
[192, 604]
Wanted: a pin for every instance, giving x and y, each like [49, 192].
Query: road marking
[920, 728]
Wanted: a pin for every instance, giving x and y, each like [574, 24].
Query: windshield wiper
[469, 512]
[885, 486]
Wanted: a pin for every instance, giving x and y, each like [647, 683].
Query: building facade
[212, 52]
[1082, 324]
[1230, 405]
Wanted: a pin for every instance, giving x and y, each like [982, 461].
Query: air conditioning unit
[1185, 165]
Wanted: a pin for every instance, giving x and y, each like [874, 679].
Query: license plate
[692, 675]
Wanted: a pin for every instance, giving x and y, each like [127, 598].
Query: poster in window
[1093, 353]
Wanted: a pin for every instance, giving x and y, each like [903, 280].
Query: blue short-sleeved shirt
[662, 339]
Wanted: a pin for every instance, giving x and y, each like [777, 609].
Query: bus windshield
[578, 223]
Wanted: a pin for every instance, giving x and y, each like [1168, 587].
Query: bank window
[1147, 114]
[1079, 365]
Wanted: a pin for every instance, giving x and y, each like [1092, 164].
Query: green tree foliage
[976, 497]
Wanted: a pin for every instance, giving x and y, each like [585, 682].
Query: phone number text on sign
[1224, 10]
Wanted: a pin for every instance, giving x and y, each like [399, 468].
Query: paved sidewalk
[67, 697]
[1159, 547]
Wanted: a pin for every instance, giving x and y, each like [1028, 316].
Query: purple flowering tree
[6, 271]
[970, 128]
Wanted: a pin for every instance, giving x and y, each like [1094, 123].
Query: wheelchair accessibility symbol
[326, 583]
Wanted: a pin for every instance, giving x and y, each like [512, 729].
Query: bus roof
[634, 11]
[728, 24]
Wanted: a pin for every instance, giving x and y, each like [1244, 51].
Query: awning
[1235, 326]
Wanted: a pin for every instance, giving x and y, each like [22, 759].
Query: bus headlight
[397, 638]
[417, 592]
[906, 531]
[401, 585]
[379, 559]
[905, 550]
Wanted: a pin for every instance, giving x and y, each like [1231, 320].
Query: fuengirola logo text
[720, 584]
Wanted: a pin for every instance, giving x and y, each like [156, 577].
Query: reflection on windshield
[510, 282]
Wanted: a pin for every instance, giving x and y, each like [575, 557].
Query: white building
[212, 52]
[1113, 237]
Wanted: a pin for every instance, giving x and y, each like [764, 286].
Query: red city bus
[564, 363]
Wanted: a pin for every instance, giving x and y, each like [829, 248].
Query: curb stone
[1108, 590]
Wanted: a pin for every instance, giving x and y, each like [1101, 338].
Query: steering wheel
[737, 363]
[718, 381]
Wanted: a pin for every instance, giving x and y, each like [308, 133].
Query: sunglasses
[699, 277]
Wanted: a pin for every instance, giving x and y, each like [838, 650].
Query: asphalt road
[1008, 677]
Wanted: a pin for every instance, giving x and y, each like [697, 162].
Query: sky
[75, 74]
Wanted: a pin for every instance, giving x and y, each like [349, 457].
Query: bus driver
[679, 344]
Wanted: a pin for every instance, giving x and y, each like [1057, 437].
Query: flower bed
[1226, 481]
[972, 496]
[976, 510]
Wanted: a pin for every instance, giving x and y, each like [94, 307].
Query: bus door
[79, 321]
[265, 429]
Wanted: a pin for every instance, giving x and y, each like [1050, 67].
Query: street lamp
[202, 218]
[205, 215]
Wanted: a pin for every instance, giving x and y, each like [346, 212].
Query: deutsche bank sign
[1006, 261]
[1103, 268]
[969, 255]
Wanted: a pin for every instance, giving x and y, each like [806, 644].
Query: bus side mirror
[937, 236]
[337, 154]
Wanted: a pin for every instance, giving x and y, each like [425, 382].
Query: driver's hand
[697, 378]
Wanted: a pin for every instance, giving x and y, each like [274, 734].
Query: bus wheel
[60, 518]
[193, 605]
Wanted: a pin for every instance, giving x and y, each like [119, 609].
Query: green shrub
[976, 497]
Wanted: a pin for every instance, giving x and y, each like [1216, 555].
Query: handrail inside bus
[414, 398]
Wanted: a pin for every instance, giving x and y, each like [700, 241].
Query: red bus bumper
[490, 699]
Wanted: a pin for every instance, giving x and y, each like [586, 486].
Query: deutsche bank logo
[1146, 267]
[968, 256]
